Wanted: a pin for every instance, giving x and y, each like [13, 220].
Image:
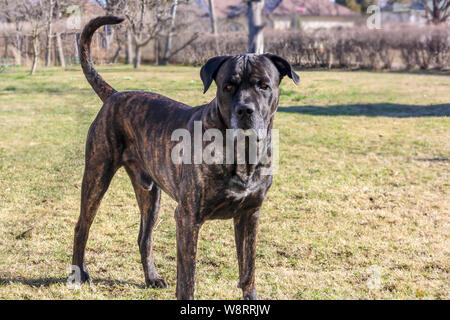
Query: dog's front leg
[245, 230]
[187, 235]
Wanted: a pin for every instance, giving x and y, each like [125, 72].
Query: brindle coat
[133, 130]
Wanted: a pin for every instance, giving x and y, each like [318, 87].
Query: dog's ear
[284, 67]
[209, 70]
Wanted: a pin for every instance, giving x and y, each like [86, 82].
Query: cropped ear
[284, 67]
[209, 70]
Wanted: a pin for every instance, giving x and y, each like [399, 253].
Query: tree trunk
[77, 51]
[49, 34]
[168, 46]
[6, 47]
[119, 48]
[109, 34]
[117, 53]
[59, 47]
[55, 56]
[436, 19]
[212, 17]
[438, 12]
[16, 50]
[35, 53]
[255, 27]
[129, 48]
[156, 48]
[330, 59]
[137, 56]
[17, 56]
[25, 50]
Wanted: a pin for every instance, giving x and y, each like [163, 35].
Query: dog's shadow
[46, 282]
[392, 110]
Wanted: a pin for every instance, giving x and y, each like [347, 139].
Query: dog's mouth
[251, 126]
[250, 133]
[243, 124]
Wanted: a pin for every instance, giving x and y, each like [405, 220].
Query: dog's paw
[85, 277]
[156, 283]
[251, 295]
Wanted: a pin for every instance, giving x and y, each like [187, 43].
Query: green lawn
[362, 196]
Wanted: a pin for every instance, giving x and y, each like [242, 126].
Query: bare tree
[60, 7]
[113, 7]
[33, 12]
[173, 14]
[14, 35]
[129, 46]
[147, 19]
[31, 18]
[437, 11]
[60, 50]
[48, 10]
[168, 50]
[55, 10]
[255, 26]
[117, 7]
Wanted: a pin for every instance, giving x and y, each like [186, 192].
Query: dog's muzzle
[246, 118]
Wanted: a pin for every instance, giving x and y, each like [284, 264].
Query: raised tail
[100, 86]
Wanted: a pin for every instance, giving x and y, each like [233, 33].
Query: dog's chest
[235, 197]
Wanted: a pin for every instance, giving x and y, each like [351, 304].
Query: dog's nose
[243, 110]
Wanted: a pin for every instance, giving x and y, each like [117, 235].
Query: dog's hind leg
[96, 180]
[148, 196]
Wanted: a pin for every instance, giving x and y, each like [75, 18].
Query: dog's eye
[229, 87]
[263, 86]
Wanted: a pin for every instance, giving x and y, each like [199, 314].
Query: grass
[363, 185]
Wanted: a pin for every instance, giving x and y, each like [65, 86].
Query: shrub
[396, 48]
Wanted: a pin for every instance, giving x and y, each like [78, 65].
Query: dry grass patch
[362, 192]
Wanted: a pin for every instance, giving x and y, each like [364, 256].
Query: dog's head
[247, 87]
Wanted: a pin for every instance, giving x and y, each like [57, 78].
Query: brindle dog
[133, 129]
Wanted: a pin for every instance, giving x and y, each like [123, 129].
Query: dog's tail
[100, 86]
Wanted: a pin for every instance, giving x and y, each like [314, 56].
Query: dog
[134, 130]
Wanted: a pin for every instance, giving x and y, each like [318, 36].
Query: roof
[195, 7]
[396, 6]
[312, 8]
[225, 7]
[232, 8]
